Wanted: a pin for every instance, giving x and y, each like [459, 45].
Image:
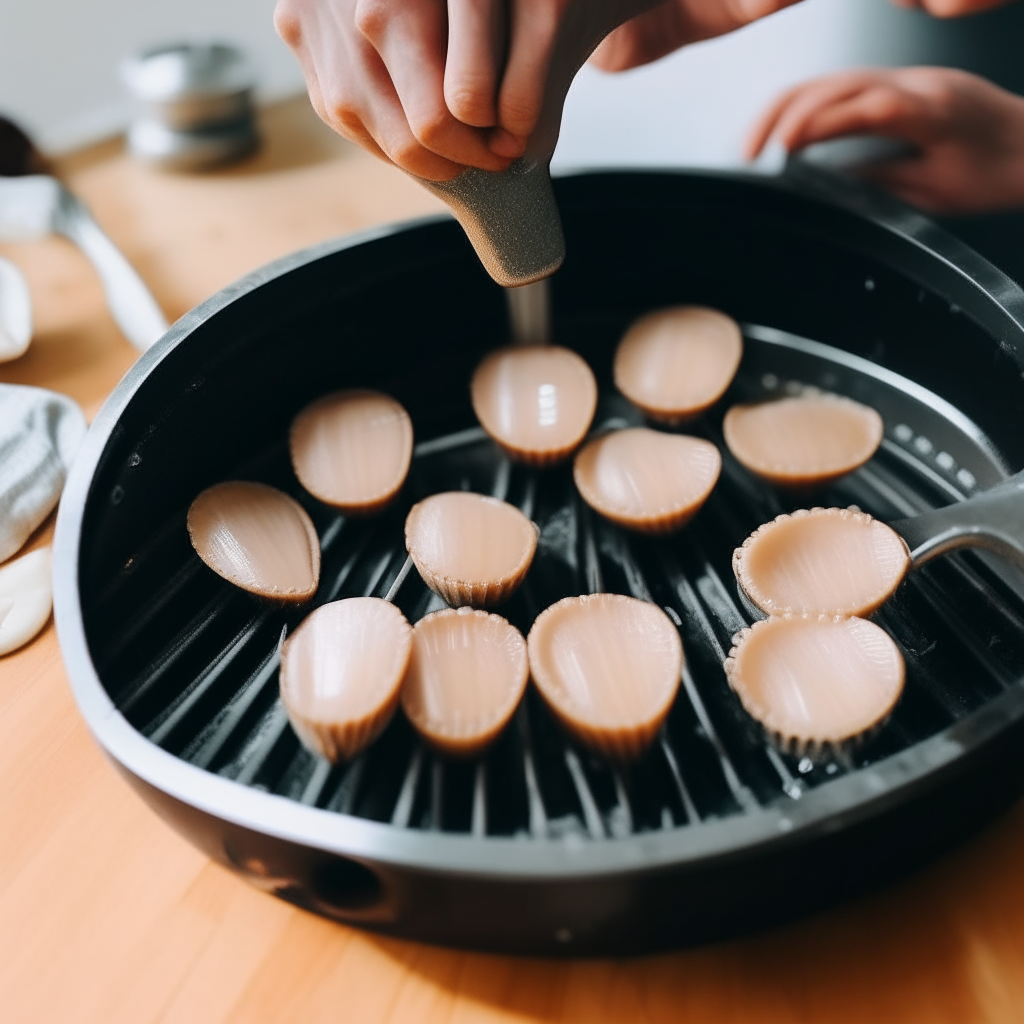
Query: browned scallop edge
[624, 744]
[673, 419]
[460, 594]
[656, 525]
[464, 748]
[314, 546]
[743, 577]
[361, 509]
[616, 744]
[813, 748]
[540, 459]
[341, 741]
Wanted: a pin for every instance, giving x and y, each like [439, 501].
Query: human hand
[435, 86]
[438, 85]
[968, 133]
[375, 70]
[676, 23]
[951, 8]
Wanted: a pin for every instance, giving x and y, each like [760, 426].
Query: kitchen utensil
[37, 204]
[539, 846]
[197, 105]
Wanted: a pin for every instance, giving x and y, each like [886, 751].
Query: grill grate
[210, 697]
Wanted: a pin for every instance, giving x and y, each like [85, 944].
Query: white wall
[58, 58]
[58, 69]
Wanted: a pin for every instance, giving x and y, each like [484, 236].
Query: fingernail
[503, 143]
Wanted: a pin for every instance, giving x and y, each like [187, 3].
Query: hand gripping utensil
[37, 204]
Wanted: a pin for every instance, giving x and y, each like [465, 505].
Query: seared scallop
[535, 401]
[257, 538]
[804, 441]
[816, 682]
[645, 480]
[465, 678]
[609, 667]
[834, 561]
[341, 674]
[470, 549]
[675, 363]
[352, 450]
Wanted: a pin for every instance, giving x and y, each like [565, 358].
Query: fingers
[876, 111]
[410, 39]
[787, 121]
[675, 23]
[846, 104]
[532, 33]
[476, 53]
[764, 127]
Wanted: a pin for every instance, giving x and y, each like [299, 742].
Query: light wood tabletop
[107, 915]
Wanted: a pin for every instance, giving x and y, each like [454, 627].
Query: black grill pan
[540, 846]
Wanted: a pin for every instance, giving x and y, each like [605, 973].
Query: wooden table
[106, 915]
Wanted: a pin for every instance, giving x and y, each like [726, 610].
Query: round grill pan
[540, 846]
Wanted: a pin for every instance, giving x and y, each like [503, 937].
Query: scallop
[804, 441]
[609, 667]
[466, 676]
[352, 450]
[645, 480]
[675, 363]
[470, 549]
[341, 674]
[832, 561]
[535, 401]
[816, 683]
[257, 538]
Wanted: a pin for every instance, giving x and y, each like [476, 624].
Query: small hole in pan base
[347, 885]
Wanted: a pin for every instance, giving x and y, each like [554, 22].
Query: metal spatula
[993, 520]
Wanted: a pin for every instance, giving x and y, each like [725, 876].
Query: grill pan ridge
[540, 846]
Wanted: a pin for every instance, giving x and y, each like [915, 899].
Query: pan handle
[993, 520]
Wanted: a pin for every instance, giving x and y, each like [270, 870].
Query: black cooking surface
[714, 831]
[193, 665]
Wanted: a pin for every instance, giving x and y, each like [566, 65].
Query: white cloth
[15, 312]
[40, 433]
[26, 596]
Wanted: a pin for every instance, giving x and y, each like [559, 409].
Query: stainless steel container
[196, 107]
